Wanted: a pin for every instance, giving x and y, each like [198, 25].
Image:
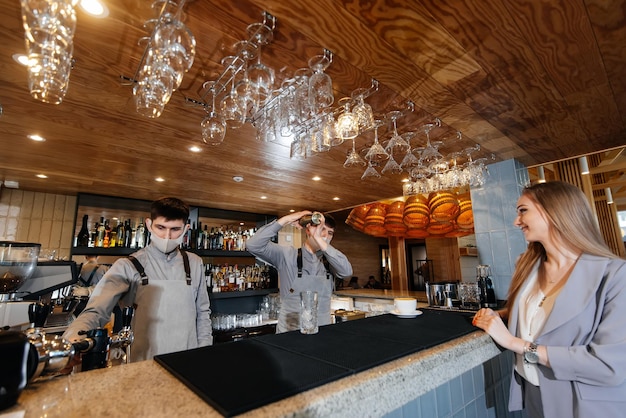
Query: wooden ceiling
[535, 80]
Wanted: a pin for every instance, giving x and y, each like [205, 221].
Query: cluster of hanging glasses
[429, 170]
[169, 54]
[49, 27]
[296, 110]
[244, 86]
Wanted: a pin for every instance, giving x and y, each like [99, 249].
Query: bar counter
[147, 389]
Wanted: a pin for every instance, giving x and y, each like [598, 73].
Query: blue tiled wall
[499, 242]
[482, 392]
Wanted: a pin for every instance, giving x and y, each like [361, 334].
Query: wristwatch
[530, 354]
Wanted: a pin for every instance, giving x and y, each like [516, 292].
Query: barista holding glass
[302, 269]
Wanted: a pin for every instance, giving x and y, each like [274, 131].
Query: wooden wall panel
[44, 218]
[446, 259]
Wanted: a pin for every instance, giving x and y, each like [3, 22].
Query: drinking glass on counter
[308, 312]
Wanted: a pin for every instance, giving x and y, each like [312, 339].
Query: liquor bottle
[193, 237]
[113, 234]
[82, 239]
[107, 234]
[128, 234]
[199, 235]
[205, 238]
[140, 236]
[120, 233]
[100, 236]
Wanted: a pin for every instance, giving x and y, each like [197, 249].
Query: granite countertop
[146, 389]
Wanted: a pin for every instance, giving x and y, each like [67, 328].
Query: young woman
[566, 308]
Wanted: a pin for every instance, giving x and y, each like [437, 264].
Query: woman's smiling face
[531, 220]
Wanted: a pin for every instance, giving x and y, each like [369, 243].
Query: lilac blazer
[585, 336]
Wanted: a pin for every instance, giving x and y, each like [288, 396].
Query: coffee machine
[34, 354]
[29, 350]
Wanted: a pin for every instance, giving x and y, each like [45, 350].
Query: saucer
[406, 315]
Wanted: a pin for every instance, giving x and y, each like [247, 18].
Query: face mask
[165, 245]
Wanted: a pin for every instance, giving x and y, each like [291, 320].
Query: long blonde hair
[570, 221]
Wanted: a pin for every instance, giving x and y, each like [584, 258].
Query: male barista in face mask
[172, 307]
[312, 275]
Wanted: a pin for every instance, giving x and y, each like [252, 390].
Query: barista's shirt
[285, 259]
[170, 316]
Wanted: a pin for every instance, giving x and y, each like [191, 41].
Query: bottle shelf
[241, 293]
[122, 251]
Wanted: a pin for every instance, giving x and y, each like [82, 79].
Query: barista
[304, 268]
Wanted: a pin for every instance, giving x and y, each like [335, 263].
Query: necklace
[544, 278]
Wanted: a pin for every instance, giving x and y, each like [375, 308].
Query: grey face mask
[165, 245]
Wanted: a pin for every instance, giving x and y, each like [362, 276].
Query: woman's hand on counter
[491, 322]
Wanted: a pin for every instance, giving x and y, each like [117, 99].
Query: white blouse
[534, 311]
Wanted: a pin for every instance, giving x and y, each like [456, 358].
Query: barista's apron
[289, 316]
[164, 311]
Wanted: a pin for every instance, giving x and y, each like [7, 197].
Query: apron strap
[186, 264]
[139, 267]
[87, 282]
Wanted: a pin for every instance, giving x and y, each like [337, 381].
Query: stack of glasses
[49, 32]
[169, 56]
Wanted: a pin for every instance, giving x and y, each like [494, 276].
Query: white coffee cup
[405, 305]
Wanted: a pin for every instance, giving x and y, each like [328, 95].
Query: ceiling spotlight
[42, 176]
[95, 8]
[237, 179]
[195, 148]
[37, 138]
[159, 179]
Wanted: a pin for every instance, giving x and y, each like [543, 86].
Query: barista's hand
[293, 218]
[491, 322]
[315, 231]
[74, 361]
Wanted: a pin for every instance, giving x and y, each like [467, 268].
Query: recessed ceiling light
[292, 210]
[263, 197]
[36, 138]
[237, 179]
[95, 8]
[316, 178]
[20, 59]
[195, 148]
[159, 179]
[42, 176]
[405, 180]
[336, 198]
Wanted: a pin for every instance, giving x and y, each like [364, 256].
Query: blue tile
[470, 410]
[478, 374]
[468, 387]
[412, 409]
[428, 404]
[444, 404]
[397, 414]
[459, 414]
[456, 394]
[481, 406]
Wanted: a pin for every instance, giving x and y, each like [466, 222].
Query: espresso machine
[28, 349]
[34, 354]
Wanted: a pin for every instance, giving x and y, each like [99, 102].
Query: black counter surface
[243, 375]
